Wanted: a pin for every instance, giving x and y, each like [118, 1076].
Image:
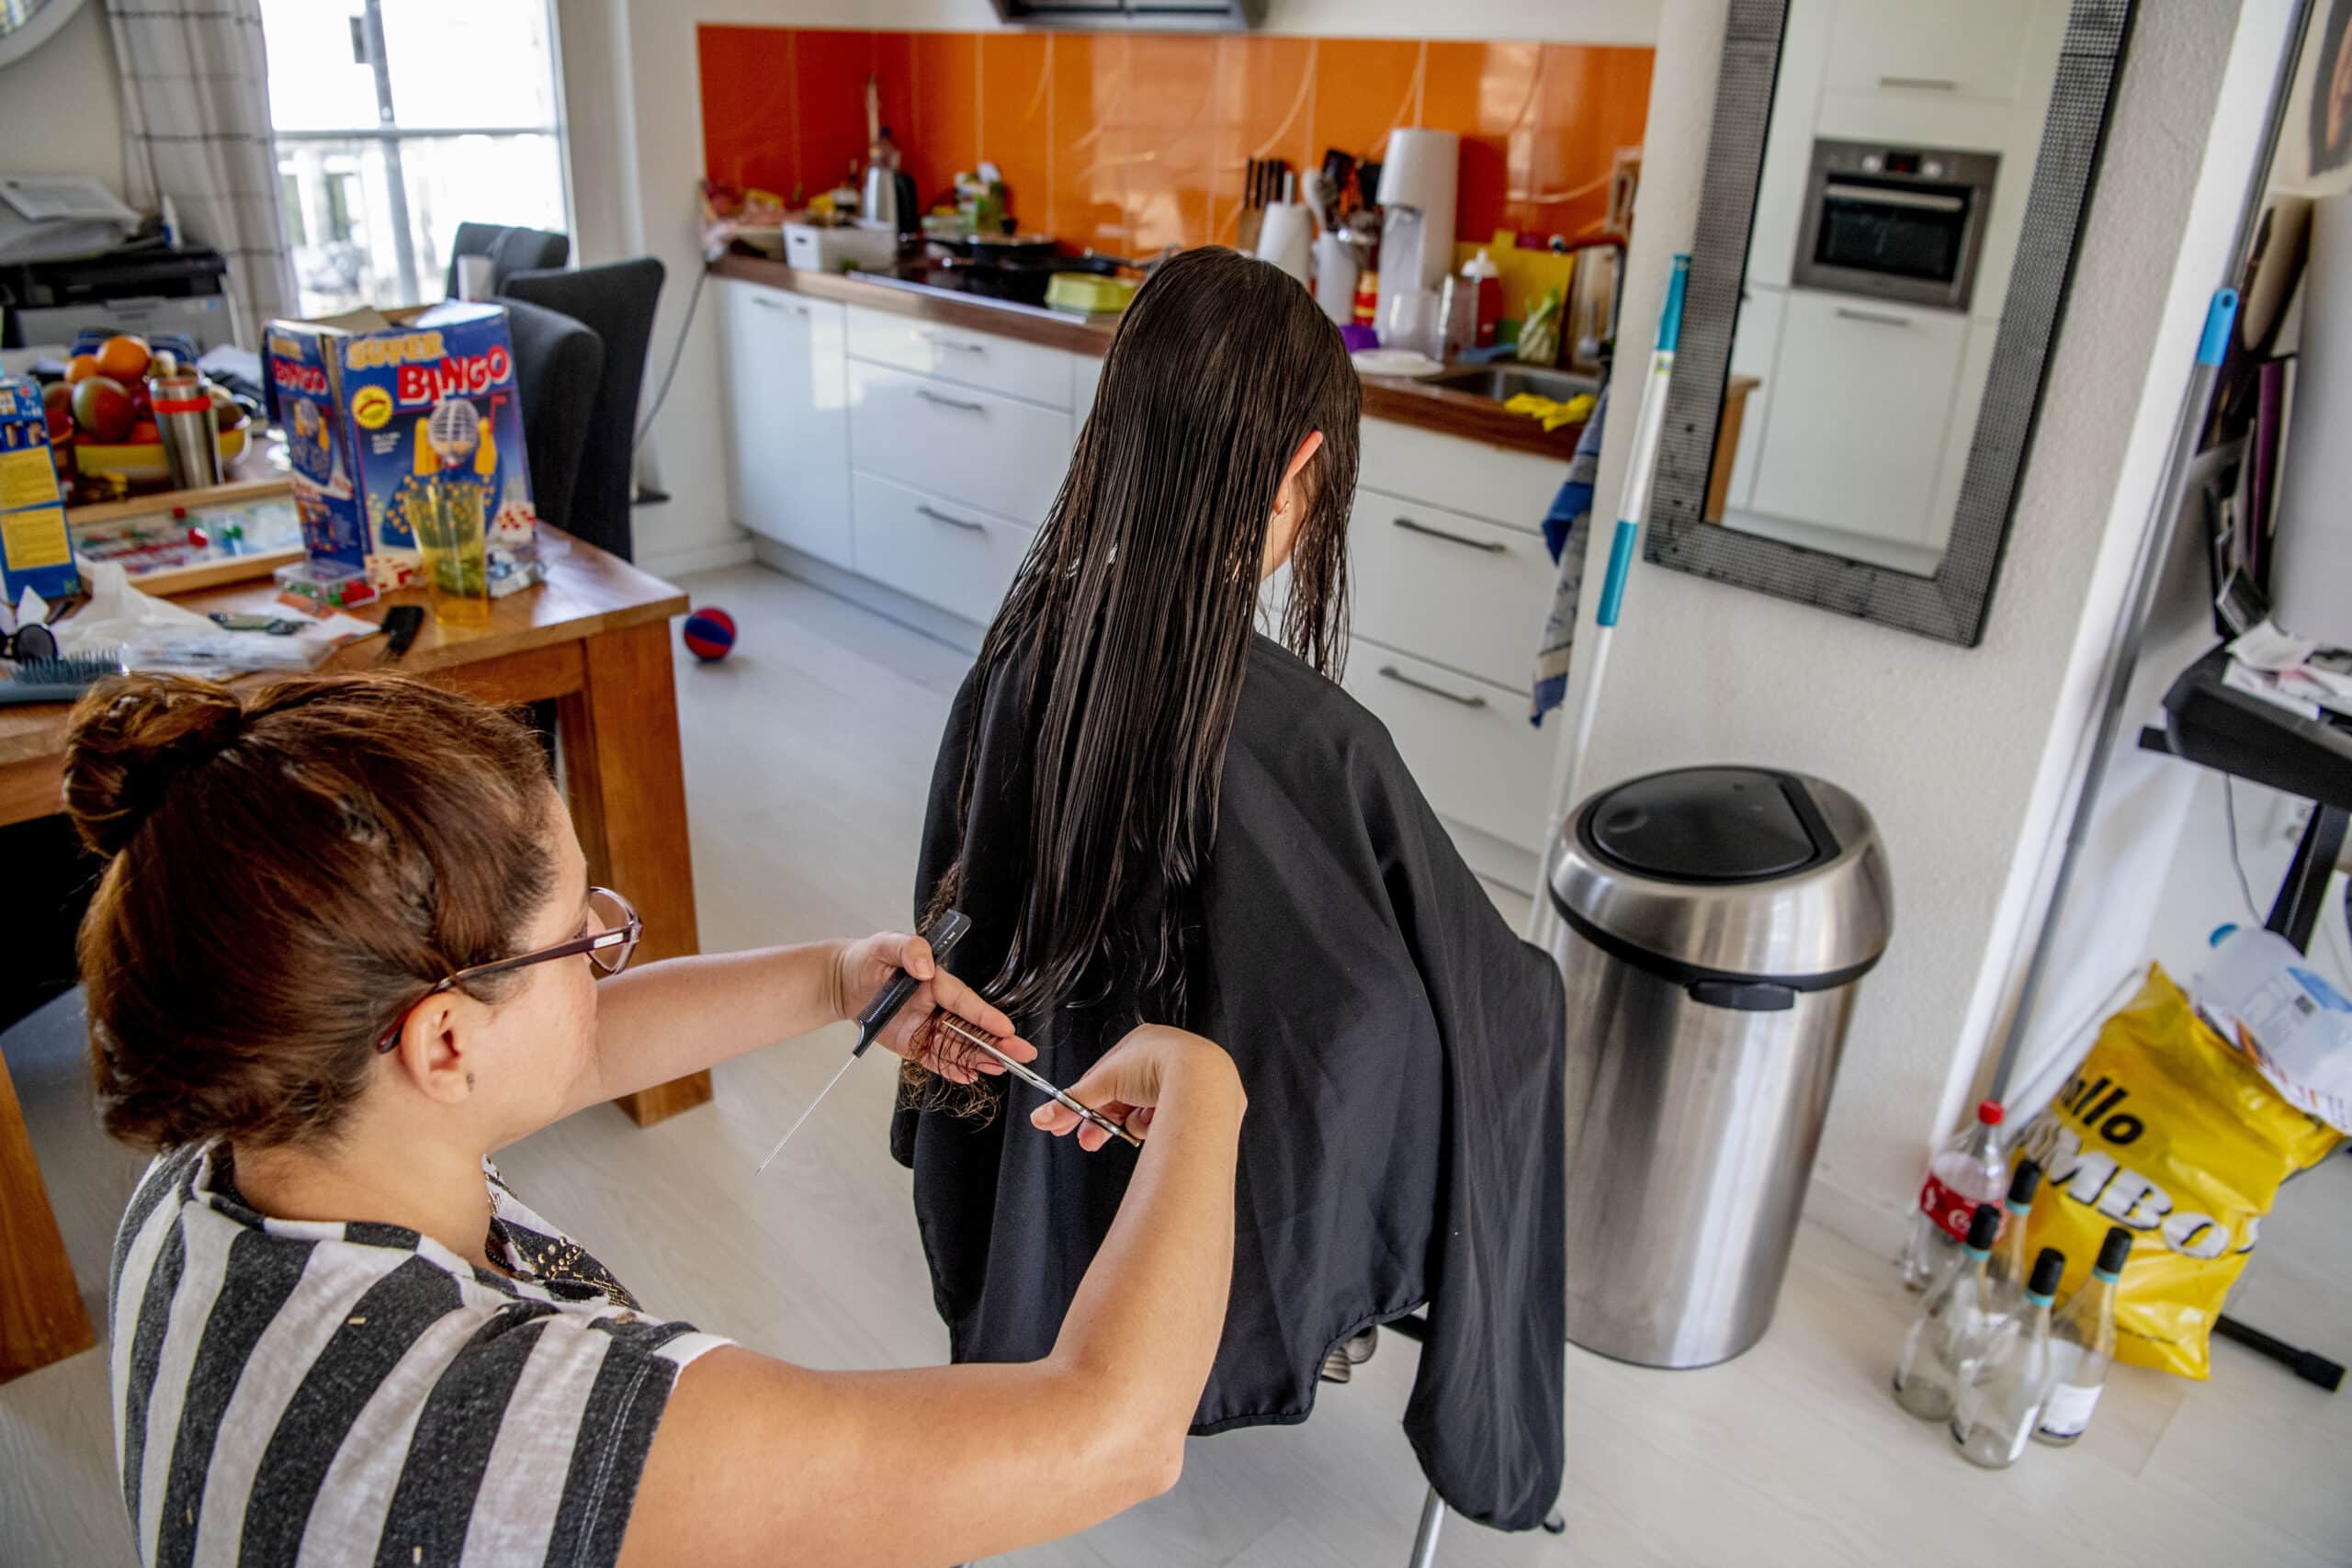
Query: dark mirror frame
[1950, 605]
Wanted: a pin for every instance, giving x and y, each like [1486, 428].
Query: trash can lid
[1728, 873]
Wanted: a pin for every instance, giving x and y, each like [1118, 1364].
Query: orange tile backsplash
[1129, 141]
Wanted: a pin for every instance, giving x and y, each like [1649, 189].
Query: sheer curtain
[196, 129]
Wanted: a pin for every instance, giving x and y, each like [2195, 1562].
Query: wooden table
[594, 637]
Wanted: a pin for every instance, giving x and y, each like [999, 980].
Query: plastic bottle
[1969, 1170]
[2259, 981]
[1940, 1352]
[1488, 278]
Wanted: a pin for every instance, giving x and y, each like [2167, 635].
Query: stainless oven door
[1898, 238]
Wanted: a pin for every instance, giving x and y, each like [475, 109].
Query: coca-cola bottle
[1967, 1171]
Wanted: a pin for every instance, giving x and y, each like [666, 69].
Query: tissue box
[35, 551]
[386, 412]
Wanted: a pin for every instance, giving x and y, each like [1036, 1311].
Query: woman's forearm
[1147, 1314]
[666, 1019]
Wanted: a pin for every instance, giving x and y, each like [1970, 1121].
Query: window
[290, 211]
[397, 121]
[342, 186]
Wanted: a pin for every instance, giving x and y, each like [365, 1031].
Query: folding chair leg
[1425, 1541]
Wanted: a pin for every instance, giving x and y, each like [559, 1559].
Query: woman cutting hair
[1148, 811]
[345, 946]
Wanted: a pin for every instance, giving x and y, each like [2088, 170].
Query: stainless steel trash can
[1715, 922]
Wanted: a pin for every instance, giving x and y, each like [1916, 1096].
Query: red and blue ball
[710, 633]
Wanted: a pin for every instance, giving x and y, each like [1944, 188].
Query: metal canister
[1716, 921]
[191, 436]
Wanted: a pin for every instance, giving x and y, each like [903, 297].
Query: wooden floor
[807, 754]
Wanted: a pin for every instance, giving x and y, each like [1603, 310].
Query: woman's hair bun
[131, 739]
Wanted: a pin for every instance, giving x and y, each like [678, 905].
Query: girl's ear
[1298, 460]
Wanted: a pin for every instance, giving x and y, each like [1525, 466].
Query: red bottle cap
[1989, 1113]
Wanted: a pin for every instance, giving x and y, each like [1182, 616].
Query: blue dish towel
[1566, 527]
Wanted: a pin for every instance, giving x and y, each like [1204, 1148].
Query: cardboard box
[35, 550]
[404, 422]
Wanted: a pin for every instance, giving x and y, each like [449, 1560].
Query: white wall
[2158, 872]
[60, 107]
[1962, 755]
[632, 91]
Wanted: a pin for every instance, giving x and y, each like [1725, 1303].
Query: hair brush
[61, 679]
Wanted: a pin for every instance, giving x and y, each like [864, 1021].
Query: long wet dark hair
[1134, 612]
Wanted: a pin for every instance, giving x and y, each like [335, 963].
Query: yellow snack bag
[2169, 1132]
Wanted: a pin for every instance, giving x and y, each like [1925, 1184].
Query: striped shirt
[300, 1392]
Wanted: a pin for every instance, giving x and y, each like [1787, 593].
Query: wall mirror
[1886, 228]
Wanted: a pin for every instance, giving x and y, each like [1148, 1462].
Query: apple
[103, 409]
[144, 434]
[57, 405]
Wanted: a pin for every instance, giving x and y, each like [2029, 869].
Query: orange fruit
[124, 358]
[80, 368]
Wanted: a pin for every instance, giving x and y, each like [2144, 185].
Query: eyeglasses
[608, 946]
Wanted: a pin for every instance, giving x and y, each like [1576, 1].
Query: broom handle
[1649, 426]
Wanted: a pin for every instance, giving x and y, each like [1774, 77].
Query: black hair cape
[1402, 1051]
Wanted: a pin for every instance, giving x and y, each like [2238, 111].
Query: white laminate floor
[809, 752]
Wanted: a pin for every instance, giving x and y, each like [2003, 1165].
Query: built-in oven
[1903, 223]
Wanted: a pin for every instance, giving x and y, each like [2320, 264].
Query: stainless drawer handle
[1873, 317]
[927, 395]
[964, 522]
[1492, 546]
[944, 341]
[765, 303]
[1392, 672]
[1926, 84]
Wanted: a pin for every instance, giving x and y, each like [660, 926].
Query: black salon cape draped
[1402, 1051]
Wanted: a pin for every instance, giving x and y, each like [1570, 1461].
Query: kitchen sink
[1501, 383]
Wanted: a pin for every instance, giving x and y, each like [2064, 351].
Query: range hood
[1140, 16]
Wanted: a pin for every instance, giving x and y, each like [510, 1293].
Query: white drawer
[974, 360]
[1467, 742]
[1514, 489]
[1085, 380]
[1453, 589]
[995, 453]
[956, 556]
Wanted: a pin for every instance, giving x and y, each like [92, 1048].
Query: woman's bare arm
[757, 1460]
[679, 1016]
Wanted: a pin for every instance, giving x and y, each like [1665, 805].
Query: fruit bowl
[145, 463]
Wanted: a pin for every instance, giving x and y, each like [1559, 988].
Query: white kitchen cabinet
[993, 364]
[1002, 455]
[942, 552]
[1493, 482]
[1968, 49]
[1855, 433]
[1085, 378]
[1457, 590]
[1967, 408]
[787, 447]
[1467, 741]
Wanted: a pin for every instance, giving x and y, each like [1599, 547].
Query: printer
[72, 257]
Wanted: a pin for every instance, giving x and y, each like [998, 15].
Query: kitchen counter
[1438, 409]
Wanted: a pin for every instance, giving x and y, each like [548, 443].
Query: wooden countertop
[1446, 412]
[587, 591]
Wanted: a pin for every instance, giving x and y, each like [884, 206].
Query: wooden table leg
[41, 1318]
[627, 789]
